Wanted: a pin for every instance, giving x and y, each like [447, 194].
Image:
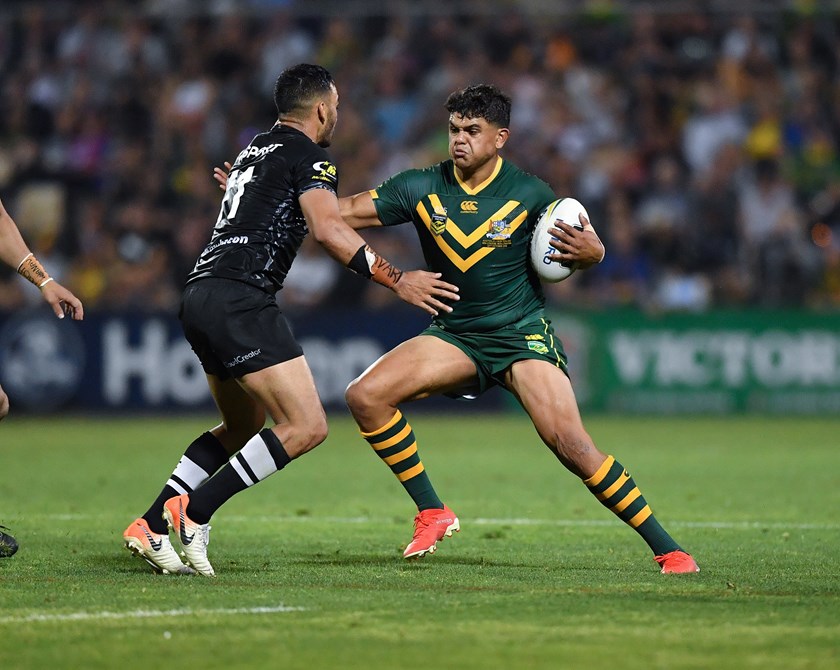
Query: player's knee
[366, 393]
[4, 404]
[356, 395]
[313, 433]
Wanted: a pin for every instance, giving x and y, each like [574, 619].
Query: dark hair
[299, 85]
[481, 101]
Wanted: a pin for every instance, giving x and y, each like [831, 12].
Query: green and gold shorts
[493, 352]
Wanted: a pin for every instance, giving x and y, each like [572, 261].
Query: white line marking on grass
[575, 523]
[520, 521]
[145, 614]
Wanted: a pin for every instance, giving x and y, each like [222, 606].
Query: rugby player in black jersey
[280, 187]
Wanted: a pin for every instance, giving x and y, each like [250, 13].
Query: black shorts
[235, 328]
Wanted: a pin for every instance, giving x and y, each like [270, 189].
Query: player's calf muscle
[577, 453]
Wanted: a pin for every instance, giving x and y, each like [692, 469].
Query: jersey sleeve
[316, 170]
[396, 198]
[538, 198]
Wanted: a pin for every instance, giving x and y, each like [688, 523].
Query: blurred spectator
[716, 121]
[625, 276]
[772, 236]
[704, 144]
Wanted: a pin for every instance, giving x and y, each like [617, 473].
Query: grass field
[309, 563]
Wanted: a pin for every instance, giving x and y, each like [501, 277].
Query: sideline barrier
[721, 362]
[120, 362]
[621, 361]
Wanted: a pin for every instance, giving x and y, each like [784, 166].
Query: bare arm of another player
[584, 247]
[15, 253]
[420, 288]
[359, 211]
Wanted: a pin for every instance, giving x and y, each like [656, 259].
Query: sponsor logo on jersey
[469, 207]
[326, 171]
[539, 347]
[498, 234]
[534, 337]
[241, 358]
[236, 239]
[438, 221]
[255, 152]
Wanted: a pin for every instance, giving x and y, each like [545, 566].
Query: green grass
[541, 576]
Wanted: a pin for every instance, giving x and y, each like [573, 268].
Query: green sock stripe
[404, 443]
[422, 492]
[609, 479]
[406, 464]
[632, 509]
[619, 495]
[417, 486]
[656, 537]
[387, 434]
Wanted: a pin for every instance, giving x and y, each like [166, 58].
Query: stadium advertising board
[620, 361]
[719, 362]
[125, 363]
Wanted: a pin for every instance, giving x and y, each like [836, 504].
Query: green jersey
[477, 238]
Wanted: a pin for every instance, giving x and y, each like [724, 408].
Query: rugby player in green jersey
[474, 214]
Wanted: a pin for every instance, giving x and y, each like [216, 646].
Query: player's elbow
[326, 233]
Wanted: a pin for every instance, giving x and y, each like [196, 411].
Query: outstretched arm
[359, 211]
[420, 288]
[15, 253]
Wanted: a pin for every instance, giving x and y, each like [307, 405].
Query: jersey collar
[482, 185]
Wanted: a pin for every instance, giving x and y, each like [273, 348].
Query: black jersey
[261, 226]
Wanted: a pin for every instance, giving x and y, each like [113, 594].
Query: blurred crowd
[706, 147]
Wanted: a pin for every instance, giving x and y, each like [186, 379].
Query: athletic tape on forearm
[33, 271]
[368, 263]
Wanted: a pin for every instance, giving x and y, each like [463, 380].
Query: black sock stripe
[180, 482]
[275, 448]
[241, 460]
[207, 453]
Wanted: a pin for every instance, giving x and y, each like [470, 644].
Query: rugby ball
[567, 211]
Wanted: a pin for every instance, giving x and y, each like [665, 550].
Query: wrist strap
[368, 263]
[20, 265]
[33, 271]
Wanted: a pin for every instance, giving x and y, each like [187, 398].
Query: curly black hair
[481, 101]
